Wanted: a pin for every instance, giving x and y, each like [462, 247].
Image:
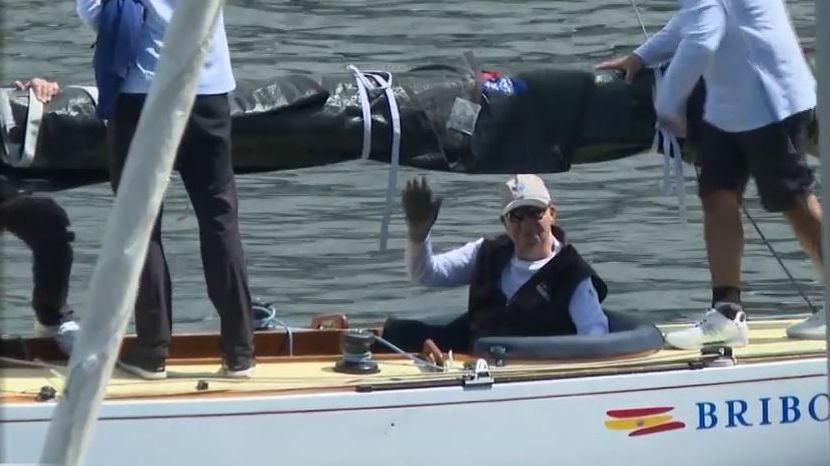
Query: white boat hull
[762, 414]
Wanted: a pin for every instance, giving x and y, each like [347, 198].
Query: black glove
[420, 207]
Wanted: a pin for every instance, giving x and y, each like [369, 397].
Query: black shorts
[774, 155]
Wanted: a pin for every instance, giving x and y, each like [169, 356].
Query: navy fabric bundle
[119, 28]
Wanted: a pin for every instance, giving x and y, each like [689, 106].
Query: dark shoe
[143, 367]
[241, 370]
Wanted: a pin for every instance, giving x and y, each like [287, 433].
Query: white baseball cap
[524, 190]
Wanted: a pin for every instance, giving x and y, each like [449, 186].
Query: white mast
[114, 284]
[822, 51]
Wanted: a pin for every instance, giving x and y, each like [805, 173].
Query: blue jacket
[120, 24]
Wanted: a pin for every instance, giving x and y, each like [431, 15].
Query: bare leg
[723, 231]
[805, 218]
[724, 236]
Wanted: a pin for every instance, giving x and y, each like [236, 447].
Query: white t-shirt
[455, 268]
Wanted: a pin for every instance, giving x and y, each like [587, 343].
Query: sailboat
[763, 404]
[330, 394]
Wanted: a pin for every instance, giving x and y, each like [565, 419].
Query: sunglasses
[533, 213]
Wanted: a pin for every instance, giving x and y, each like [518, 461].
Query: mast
[823, 110]
[114, 285]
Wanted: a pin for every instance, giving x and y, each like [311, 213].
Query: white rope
[33, 119]
[23, 155]
[20, 155]
[674, 181]
[380, 80]
[366, 108]
[639, 18]
[7, 124]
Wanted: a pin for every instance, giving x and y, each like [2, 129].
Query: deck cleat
[480, 376]
[714, 356]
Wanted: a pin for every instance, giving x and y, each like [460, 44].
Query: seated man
[43, 225]
[527, 282]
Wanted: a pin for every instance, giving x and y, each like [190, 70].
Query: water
[311, 236]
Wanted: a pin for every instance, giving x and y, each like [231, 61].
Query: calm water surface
[311, 235]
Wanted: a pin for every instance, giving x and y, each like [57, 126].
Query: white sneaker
[64, 334]
[811, 328]
[714, 329]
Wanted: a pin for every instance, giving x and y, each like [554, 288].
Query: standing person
[43, 225]
[130, 40]
[759, 108]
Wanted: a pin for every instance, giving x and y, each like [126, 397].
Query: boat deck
[23, 380]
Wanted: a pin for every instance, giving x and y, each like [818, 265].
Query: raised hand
[420, 207]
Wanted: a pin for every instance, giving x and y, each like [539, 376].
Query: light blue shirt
[217, 74]
[455, 268]
[748, 54]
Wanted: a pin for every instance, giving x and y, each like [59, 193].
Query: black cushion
[628, 335]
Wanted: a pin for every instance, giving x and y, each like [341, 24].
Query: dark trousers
[206, 168]
[449, 332]
[44, 226]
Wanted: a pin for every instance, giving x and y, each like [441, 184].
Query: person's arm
[705, 25]
[661, 46]
[586, 310]
[89, 11]
[451, 268]
[657, 49]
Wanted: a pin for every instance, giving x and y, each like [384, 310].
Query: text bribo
[787, 409]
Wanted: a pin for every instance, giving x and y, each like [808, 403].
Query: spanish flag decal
[642, 421]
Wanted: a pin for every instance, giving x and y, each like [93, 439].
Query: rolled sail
[450, 119]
